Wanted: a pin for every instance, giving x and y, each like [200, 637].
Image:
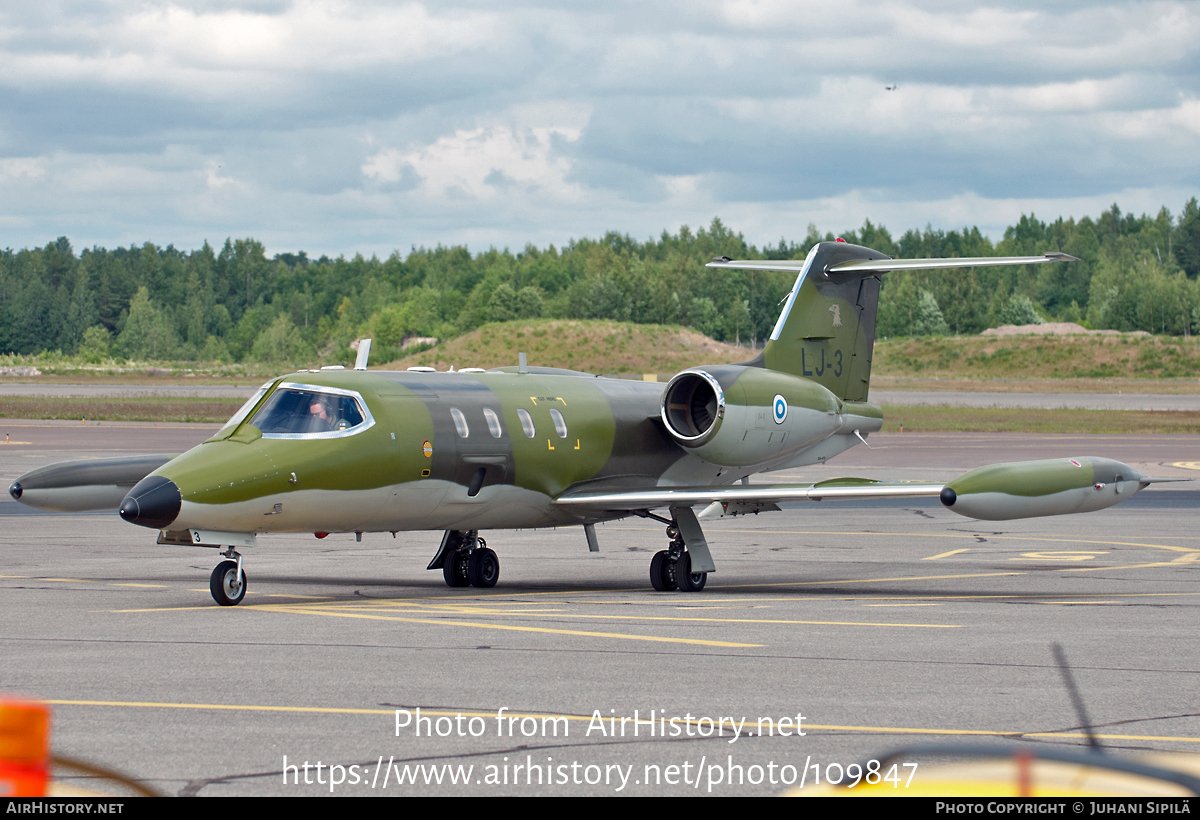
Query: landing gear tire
[483, 568]
[454, 569]
[224, 585]
[662, 572]
[689, 581]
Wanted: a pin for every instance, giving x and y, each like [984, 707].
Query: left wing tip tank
[1028, 489]
[84, 485]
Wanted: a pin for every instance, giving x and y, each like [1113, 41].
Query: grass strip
[1039, 357]
[922, 418]
[133, 408]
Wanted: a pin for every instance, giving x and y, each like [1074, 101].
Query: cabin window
[560, 426]
[493, 422]
[311, 411]
[526, 422]
[460, 422]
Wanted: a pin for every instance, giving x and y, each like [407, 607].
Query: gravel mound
[1053, 329]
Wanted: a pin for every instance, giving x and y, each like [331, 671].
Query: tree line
[238, 305]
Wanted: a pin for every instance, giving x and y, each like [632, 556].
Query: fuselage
[437, 451]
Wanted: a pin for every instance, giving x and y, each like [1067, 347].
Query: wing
[997, 492]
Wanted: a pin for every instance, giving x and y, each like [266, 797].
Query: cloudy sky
[344, 127]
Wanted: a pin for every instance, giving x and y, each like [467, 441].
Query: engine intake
[738, 415]
[693, 406]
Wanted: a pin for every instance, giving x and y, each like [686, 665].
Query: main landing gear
[465, 560]
[672, 568]
[228, 581]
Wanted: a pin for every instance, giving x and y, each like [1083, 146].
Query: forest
[235, 304]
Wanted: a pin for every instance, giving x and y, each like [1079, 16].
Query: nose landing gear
[228, 581]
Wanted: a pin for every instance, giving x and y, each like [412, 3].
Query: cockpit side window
[307, 411]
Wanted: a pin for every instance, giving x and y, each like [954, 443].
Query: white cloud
[340, 126]
[213, 53]
[29, 168]
[516, 153]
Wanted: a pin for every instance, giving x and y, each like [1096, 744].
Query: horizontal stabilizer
[884, 265]
[84, 484]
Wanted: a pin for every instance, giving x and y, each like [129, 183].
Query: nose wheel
[228, 581]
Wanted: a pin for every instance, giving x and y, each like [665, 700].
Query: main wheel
[454, 569]
[483, 568]
[662, 572]
[224, 585]
[689, 581]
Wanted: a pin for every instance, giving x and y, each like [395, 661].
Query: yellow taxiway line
[509, 628]
[810, 727]
[944, 555]
[987, 536]
[660, 603]
[876, 580]
[608, 617]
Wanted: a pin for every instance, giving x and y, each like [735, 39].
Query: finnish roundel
[779, 409]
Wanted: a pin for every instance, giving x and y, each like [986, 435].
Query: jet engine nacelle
[737, 415]
[1028, 489]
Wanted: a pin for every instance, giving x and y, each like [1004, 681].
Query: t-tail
[826, 331]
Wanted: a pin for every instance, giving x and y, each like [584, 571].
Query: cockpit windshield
[309, 411]
[243, 411]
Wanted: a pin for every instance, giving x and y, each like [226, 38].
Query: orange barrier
[24, 748]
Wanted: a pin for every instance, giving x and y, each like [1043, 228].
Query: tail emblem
[836, 310]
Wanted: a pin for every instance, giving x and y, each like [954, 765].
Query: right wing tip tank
[1030, 489]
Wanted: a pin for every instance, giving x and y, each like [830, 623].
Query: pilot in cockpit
[322, 418]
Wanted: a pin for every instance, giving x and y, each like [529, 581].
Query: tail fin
[826, 331]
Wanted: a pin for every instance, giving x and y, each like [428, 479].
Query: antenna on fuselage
[364, 350]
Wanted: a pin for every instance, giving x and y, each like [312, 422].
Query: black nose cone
[16, 490]
[153, 502]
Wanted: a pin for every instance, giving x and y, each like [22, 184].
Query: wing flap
[762, 494]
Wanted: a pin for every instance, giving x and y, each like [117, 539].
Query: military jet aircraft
[335, 450]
